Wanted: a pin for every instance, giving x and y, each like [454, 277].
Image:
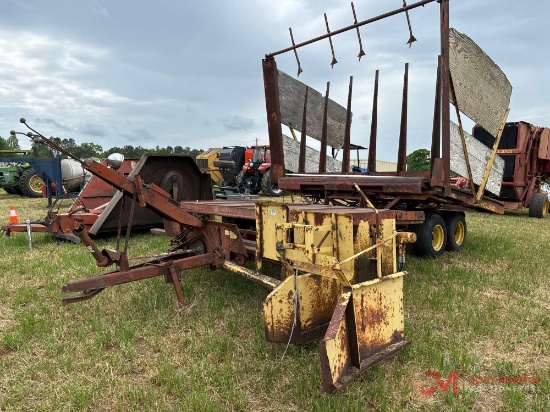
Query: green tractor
[20, 179]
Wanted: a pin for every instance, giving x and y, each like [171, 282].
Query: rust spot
[339, 314]
[317, 281]
[318, 219]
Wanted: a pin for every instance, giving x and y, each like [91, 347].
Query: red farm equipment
[341, 255]
[255, 174]
[526, 152]
[246, 170]
[100, 207]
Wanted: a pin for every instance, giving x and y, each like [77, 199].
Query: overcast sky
[188, 73]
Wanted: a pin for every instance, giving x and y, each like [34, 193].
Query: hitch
[79, 230]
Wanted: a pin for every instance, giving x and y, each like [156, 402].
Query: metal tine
[347, 135]
[295, 52]
[436, 130]
[402, 150]
[411, 38]
[334, 61]
[371, 167]
[361, 51]
[323, 154]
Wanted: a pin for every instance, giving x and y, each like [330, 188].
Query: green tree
[11, 143]
[41, 151]
[3, 144]
[87, 150]
[418, 161]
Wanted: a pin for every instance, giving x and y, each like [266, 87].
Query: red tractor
[255, 174]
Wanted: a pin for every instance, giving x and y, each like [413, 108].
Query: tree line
[416, 161]
[85, 150]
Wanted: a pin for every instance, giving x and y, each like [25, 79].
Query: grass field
[483, 313]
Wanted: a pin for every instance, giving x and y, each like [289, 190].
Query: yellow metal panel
[268, 215]
[318, 239]
[335, 352]
[366, 328]
[388, 255]
[378, 309]
[279, 312]
[210, 156]
[364, 267]
[317, 297]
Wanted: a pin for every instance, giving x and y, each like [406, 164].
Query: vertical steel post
[29, 233]
[302, 157]
[371, 165]
[436, 131]
[445, 109]
[347, 134]
[273, 119]
[402, 152]
[323, 155]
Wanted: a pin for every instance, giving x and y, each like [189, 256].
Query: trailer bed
[246, 210]
[388, 190]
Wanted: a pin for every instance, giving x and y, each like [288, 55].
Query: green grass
[485, 309]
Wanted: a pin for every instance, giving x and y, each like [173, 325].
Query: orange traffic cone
[13, 215]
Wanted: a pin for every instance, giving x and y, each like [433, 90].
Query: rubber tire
[29, 183]
[538, 206]
[239, 181]
[267, 186]
[16, 190]
[423, 246]
[454, 220]
[13, 190]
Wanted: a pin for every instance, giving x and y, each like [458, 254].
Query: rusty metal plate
[317, 297]
[169, 172]
[291, 101]
[378, 313]
[366, 328]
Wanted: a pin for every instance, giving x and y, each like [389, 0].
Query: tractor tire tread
[537, 204]
[267, 187]
[25, 186]
[451, 220]
[423, 246]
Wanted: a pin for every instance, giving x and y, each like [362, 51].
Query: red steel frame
[389, 188]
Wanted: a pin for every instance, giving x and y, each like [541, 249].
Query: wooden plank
[291, 102]
[478, 154]
[482, 89]
[292, 152]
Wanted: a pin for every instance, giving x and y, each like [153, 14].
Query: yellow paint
[320, 251]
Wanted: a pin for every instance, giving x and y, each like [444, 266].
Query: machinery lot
[482, 313]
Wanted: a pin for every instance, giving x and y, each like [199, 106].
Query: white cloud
[189, 73]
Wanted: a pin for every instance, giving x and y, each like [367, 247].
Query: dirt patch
[7, 319]
[524, 355]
